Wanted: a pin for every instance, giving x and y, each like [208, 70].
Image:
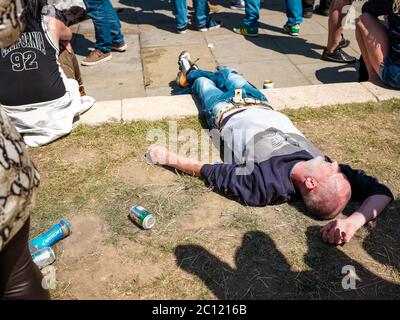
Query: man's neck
[296, 175]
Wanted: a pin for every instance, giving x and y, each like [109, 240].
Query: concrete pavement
[149, 66]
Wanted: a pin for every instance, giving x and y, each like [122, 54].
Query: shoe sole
[209, 29]
[83, 63]
[290, 32]
[181, 80]
[337, 61]
[181, 32]
[120, 49]
[236, 8]
[246, 35]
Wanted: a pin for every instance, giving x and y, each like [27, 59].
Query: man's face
[328, 172]
[323, 168]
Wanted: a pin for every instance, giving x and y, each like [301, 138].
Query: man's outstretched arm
[341, 231]
[161, 156]
[374, 197]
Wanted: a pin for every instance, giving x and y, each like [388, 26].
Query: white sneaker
[239, 5]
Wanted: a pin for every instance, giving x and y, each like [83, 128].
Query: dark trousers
[308, 5]
[20, 278]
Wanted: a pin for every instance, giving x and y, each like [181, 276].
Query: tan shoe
[95, 57]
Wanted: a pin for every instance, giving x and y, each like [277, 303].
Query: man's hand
[157, 155]
[66, 44]
[338, 232]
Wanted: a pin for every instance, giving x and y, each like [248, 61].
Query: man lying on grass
[272, 161]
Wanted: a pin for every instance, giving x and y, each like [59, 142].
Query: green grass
[276, 247]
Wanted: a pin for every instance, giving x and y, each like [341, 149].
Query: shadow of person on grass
[262, 272]
[383, 240]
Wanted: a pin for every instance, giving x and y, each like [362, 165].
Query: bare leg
[372, 75]
[373, 40]
[335, 23]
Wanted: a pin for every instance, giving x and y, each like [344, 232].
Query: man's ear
[310, 183]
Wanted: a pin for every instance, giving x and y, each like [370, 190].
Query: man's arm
[58, 30]
[224, 178]
[374, 197]
[342, 230]
[160, 155]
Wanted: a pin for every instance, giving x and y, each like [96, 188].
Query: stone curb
[173, 107]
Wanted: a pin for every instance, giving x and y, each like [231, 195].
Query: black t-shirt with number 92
[29, 69]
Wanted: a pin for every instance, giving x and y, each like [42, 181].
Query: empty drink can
[142, 217]
[268, 84]
[43, 257]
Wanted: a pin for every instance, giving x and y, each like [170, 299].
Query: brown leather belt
[232, 108]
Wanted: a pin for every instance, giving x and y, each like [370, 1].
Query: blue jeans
[216, 90]
[294, 12]
[390, 73]
[106, 24]
[181, 12]
[252, 13]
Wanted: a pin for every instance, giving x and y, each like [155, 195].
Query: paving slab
[319, 72]
[161, 91]
[119, 78]
[275, 70]
[381, 92]
[160, 63]
[149, 67]
[156, 108]
[234, 48]
[102, 112]
[164, 35]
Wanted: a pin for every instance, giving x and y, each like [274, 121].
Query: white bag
[66, 4]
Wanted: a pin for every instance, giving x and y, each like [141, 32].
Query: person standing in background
[107, 31]
[202, 14]
[249, 27]
[322, 8]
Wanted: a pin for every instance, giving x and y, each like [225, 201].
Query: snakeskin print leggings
[19, 276]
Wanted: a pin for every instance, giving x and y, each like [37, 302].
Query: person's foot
[245, 31]
[307, 14]
[292, 30]
[185, 66]
[337, 56]
[120, 47]
[95, 57]
[322, 11]
[182, 30]
[211, 25]
[239, 5]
